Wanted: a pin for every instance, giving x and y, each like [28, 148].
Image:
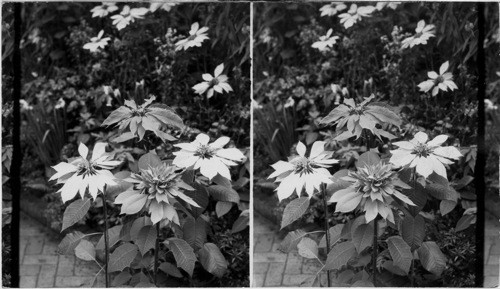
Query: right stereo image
[366, 133]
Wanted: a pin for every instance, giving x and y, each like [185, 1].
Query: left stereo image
[135, 140]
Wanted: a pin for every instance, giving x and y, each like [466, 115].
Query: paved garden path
[273, 268]
[41, 266]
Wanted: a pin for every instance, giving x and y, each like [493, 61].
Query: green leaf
[222, 181]
[400, 253]
[138, 224]
[113, 238]
[122, 257]
[335, 234]
[465, 221]
[170, 269]
[85, 250]
[389, 266]
[199, 196]
[121, 279]
[337, 182]
[167, 117]
[183, 254]
[340, 255]
[146, 239]
[413, 230]
[117, 115]
[431, 257]
[363, 237]
[241, 223]
[123, 137]
[212, 260]
[367, 159]
[447, 206]
[149, 160]
[221, 193]
[194, 232]
[222, 208]
[418, 196]
[308, 248]
[75, 212]
[291, 240]
[294, 210]
[69, 243]
[360, 220]
[442, 192]
[362, 283]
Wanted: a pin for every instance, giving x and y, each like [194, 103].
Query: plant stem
[157, 249]
[412, 278]
[327, 229]
[375, 249]
[106, 244]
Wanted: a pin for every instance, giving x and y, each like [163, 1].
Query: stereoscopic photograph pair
[250, 144]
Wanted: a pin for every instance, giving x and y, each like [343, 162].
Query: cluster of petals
[442, 81]
[210, 158]
[325, 42]
[155, 190]
[303, 172]
[216, 83]
[355, 14]
[81, 175]
[97, 42]
[332, 8]
[424, 155]
[196, 37]
[423, 33]
[128, 16]
[104, 9]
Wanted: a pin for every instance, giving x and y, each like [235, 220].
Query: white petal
[185, 161]
[207, 76]
[424, 167]
[62, 169]
[444, 67]
[401, 158]
[437, 166]
[99, 150]
[301, 149]
[450, 152]
[432, 75]
[202, 139]
[438, 140]
[70, 188]
[220, 142]
[317, 148]
[207, 168]
[421, 137]
[231, 154]
[404, 145]
[194, 28]
[83, 150]
[286, 187]
[219, 69]
[186, 146]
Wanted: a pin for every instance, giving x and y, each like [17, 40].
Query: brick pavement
[41, 266]
[273, 268]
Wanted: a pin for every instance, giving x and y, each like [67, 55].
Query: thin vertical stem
[157, 249]
[375, 250]
[106, 244]
[327, 229]
[412, 278]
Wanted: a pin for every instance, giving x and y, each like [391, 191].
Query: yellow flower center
[422, 150]
[302, 165]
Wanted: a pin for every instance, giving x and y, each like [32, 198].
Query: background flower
[441, 81]
[196, 36]
[217, 83]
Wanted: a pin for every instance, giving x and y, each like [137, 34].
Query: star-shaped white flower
[424, 33]
[163, 6]
[326, 41]
[128, 16]
[303, 172]
[104, 9]
[217, 83]
[426, 157]
[81, 174]
[332, 8]
[355, 14]
[211, 159]
[441, 81]
[97, 42]
[382, 5]
[196, 36]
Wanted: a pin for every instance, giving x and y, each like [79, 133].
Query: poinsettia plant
[166, 184]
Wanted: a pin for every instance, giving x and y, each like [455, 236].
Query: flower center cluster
[163, 185]
[422, 150]
[418, 35]
[204, 151]
[139, 112]
[439, 79]
[357, 110]
[192, 37]
[86, 169]
[214, 81]
[303, 165]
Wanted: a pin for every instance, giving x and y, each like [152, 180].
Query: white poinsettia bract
[325, 42]
[82, 174]
[210, 158]
[195, 39]
[97, 42]
[303, 172]
[332, 8]
[216, 83]
[425, 156]
[423, 33]
[442, 81]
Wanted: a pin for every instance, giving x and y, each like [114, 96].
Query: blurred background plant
[368, 58]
